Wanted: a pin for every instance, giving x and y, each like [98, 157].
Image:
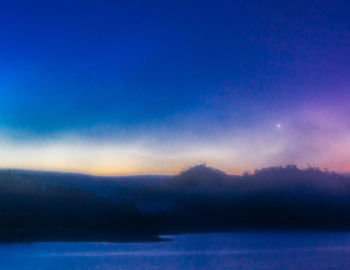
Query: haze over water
[257, 89]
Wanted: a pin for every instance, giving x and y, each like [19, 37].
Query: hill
[33, 210]
[46, 205]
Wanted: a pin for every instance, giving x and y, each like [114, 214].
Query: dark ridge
[38, 206]
[31, 210]
[201, 171]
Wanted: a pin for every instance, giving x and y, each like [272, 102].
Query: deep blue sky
[219, 74]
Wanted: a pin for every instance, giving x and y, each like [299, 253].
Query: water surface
[249, 250]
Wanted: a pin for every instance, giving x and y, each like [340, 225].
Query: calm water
[196, 251]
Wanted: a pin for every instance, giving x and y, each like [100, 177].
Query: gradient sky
[129, 87]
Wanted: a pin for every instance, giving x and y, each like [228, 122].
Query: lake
[248, 250]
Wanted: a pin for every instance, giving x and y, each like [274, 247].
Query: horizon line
[86, 173]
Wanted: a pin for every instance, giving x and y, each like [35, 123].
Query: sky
[137, 87]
